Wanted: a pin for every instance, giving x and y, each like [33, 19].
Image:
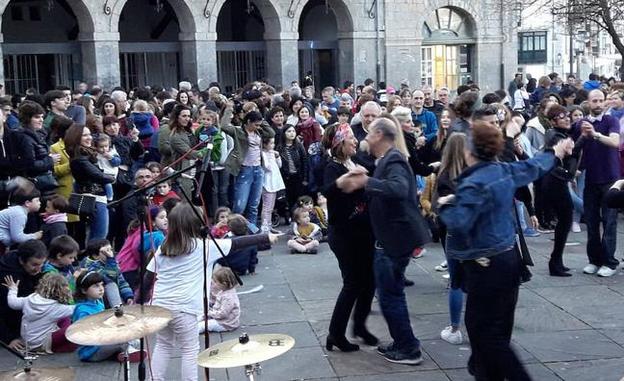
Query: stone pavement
[566, 328]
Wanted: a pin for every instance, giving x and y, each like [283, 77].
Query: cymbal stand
[126, 362]
[251, 369]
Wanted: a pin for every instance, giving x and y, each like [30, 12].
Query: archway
[149, 46]
[448, 48]
[325, 42]
[48, 31]
[241, 45]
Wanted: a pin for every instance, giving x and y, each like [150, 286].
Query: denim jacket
[480, 221]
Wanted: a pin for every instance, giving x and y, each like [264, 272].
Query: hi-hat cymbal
[107, 328]
[40, 374]
[233, 353]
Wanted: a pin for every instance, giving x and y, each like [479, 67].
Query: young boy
[245, 260]
[62, 253]
[54, 220]
[306, 234]
[163, 192]
[24, 200]
[108, 161]
[101, 259]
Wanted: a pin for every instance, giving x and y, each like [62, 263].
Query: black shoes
[367, 337]
[341, 343]
[559, 271]
[408, 282]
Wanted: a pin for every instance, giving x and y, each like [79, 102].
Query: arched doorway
[40, 48]
[448, 48]
[149, 47]
[318, 44]
[241, 49]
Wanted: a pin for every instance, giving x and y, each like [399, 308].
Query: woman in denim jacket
[481, 234]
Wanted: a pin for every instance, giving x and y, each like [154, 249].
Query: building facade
[160, 42]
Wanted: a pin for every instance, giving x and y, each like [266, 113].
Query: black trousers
[543, 211]
[294, 189]
[557, 195]
[354, 250]
[490, 306]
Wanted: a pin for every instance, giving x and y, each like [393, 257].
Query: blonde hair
[453, 159]
[55, 287]
[403, 114]
[226, 277]
[211, 114]
[140, 105]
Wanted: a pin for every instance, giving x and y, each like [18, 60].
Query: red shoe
[418, 252]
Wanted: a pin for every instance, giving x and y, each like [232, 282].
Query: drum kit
[121, 325]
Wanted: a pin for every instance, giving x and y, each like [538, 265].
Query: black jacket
[10, 320]
[88, 177]
[299, 157]
[127, 149]
[30, 154]
[565, 169]
[362, 158]
[415, 161]
[393, 206]
[346, 210]
[50, 231]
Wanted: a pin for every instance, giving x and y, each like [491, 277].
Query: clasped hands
[353, 180]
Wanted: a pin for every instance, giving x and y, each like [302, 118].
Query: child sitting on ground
[163, 192]
[13, 219]
[101, 259]
[54, 219]
[89, 293]
[244, 260]
[62, 253]
[316, 216]
[306, 234]
[224, 311]
[46, 313]
[108, 161]
[220, 227]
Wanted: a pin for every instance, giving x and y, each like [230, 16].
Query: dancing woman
[351, 240]
[481, 234]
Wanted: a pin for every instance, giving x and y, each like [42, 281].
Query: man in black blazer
[398, 227]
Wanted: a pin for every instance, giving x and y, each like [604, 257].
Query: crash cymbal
[245, 350]
[40, 374]
[112, 327]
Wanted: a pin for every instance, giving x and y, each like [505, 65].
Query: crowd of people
[374, 171]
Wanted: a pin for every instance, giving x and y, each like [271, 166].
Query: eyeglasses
[562, 116]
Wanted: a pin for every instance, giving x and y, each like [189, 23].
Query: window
[532, 49]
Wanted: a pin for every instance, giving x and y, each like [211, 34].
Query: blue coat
[480, 222]
[84, 309]
[393, 207]
[429, 123]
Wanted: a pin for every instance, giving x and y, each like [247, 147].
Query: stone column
[364, 56]
[100, 59]
[282, 59]
[199, 58]
[489, 63]
[346, 58]
[404, 57]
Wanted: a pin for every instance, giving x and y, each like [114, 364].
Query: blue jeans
[98, 227]
[577, 196]
[521, 214]
[389, 280]
[456, 294]
[247, 192]
[600, 250]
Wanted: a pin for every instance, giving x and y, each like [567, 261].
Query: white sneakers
[442, 267]
[449, 336]
[576, 227]
[603, 271]
[590, 269]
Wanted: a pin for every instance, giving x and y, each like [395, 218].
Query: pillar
[404, 57]
[490, 64]
[199, 58]
[282, 60]
[100, 59]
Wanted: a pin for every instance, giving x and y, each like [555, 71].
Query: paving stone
[425, 375]
[545, 318]
[274, 312]
[538, 372]
[568, 297]
[569, 345]
[593, 370]
[301, 331]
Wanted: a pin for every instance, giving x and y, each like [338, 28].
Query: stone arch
[449, 23]
[80, 9]
[269, 10]
[344, 16]
[182, 9]
[463, 7]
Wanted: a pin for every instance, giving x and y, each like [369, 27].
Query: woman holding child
[351, 239]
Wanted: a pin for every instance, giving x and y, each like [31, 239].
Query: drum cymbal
[40, 374]
[111, 327]
[237, 352]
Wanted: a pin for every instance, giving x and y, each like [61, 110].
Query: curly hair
[555, 110]
[486, 142]
[55, 287]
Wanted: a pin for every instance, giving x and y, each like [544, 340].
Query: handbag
[46, 182]
[81, 204]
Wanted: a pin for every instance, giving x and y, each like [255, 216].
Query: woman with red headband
[351, 239]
